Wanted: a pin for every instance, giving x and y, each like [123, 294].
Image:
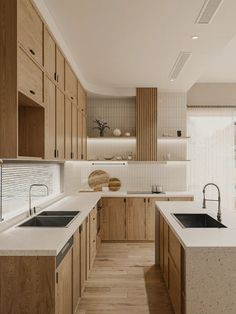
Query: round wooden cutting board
[97, 179]
[114, 184]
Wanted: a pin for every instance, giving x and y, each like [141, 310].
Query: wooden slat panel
[146, 123]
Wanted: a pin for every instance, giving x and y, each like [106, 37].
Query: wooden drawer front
[181, 198]
[30, 30]
[175, 250]
[30, 78]
[174, 287]
[71, 83]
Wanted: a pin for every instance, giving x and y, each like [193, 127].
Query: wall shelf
[103, 138]
[170, 138]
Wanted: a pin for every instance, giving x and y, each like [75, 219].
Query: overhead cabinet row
[42, 104]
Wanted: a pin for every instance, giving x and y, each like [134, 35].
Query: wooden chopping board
[98, 179]
[114, 184]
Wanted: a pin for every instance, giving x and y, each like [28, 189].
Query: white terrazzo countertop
[133, 194]
[200, 237]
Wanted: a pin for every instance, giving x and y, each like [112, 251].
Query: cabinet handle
[32, 92]
[55, 153]
[71, 155]
[148, 200]
[93, 241]
[72, 97]
[144, 200]
[56, 277]
[55, 76]
[93, 218]
[32, 52]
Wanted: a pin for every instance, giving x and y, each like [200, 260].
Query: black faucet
[213, 200]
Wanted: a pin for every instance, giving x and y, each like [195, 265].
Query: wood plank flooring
[124, 280]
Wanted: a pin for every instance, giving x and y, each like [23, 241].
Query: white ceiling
[130, 43]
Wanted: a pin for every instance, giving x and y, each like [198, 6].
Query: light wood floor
[124, 280]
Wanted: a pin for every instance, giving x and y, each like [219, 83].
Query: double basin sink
[197, 221]
[51, 219]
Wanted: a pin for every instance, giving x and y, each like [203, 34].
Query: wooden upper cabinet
[68, 124]
[60, 124]
[146, 123]
[84, 137]
[60, 69]
[81, 98]
[70, 83]
[49, 54]
[80, 134]
[30, 30]
[74, 142]
[50, 120]
[30, 77]
[113, 218]
[136, 218]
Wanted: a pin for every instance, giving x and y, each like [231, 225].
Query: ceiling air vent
[208, 11]
[179, 64]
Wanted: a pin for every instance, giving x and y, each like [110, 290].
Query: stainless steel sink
[197, 221]
[47, 222]
[51, 219]
[58, 213]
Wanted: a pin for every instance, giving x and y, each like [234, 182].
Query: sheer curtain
[211, 151]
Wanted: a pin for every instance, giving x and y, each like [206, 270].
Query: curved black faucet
[218, 200]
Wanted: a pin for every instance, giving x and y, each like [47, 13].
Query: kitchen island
[197, 263]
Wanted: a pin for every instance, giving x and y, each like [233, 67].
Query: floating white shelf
[172, 138]
[103, 138]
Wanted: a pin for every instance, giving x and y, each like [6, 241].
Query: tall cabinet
[41, 96]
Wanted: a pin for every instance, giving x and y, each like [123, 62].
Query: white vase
[117, 132]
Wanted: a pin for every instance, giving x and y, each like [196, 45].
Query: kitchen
[99, 169]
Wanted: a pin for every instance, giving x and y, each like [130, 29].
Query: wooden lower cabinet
[136, 218]
[113, 218]
[171, 255]
[83, 256]
[87, 247]
[76, 269]
[64, 287]
[93, 235]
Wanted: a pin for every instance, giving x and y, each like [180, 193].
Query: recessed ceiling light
[172, 80]
[195, 37]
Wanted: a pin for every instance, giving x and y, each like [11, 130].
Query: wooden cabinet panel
[150, 219]
[76, 270]
[30, 78]
[113, 218]
[60, 69]
[70, 83]
[30, 30]
[175, 250]
[67, 129]
[50, 120]
[49, 54]
[87, 246]
[84, 137]
[165, 252]
[93, 235]
[74, 132]
[174, 287]
[80, 135]
[60, 124]
[64, 285]
[81, 98]
[161, 243]
[146, 123]
[136, 218]
[83, 259]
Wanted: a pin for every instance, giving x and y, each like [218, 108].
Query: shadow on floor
[157, 294]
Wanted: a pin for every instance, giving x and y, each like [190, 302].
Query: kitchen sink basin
[58, 213]
[48, 222]
[198, 221]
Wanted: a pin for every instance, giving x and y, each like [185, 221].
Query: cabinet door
[174, 287]
[93, 235]
[80, 135]
[113, 218]
[84, 137]
[60, 123]
[81, 98]
[60, 69]
[76, 270]
[87, 247]
[74, 132]
[166, 252]
[30, 30]
[70, 83]
[50, 120]
[136, 218]
[67, 129]
[30, 78]
[64, 285]
[161, 243]
[150, 219]
[49, 54]
[83, 256]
